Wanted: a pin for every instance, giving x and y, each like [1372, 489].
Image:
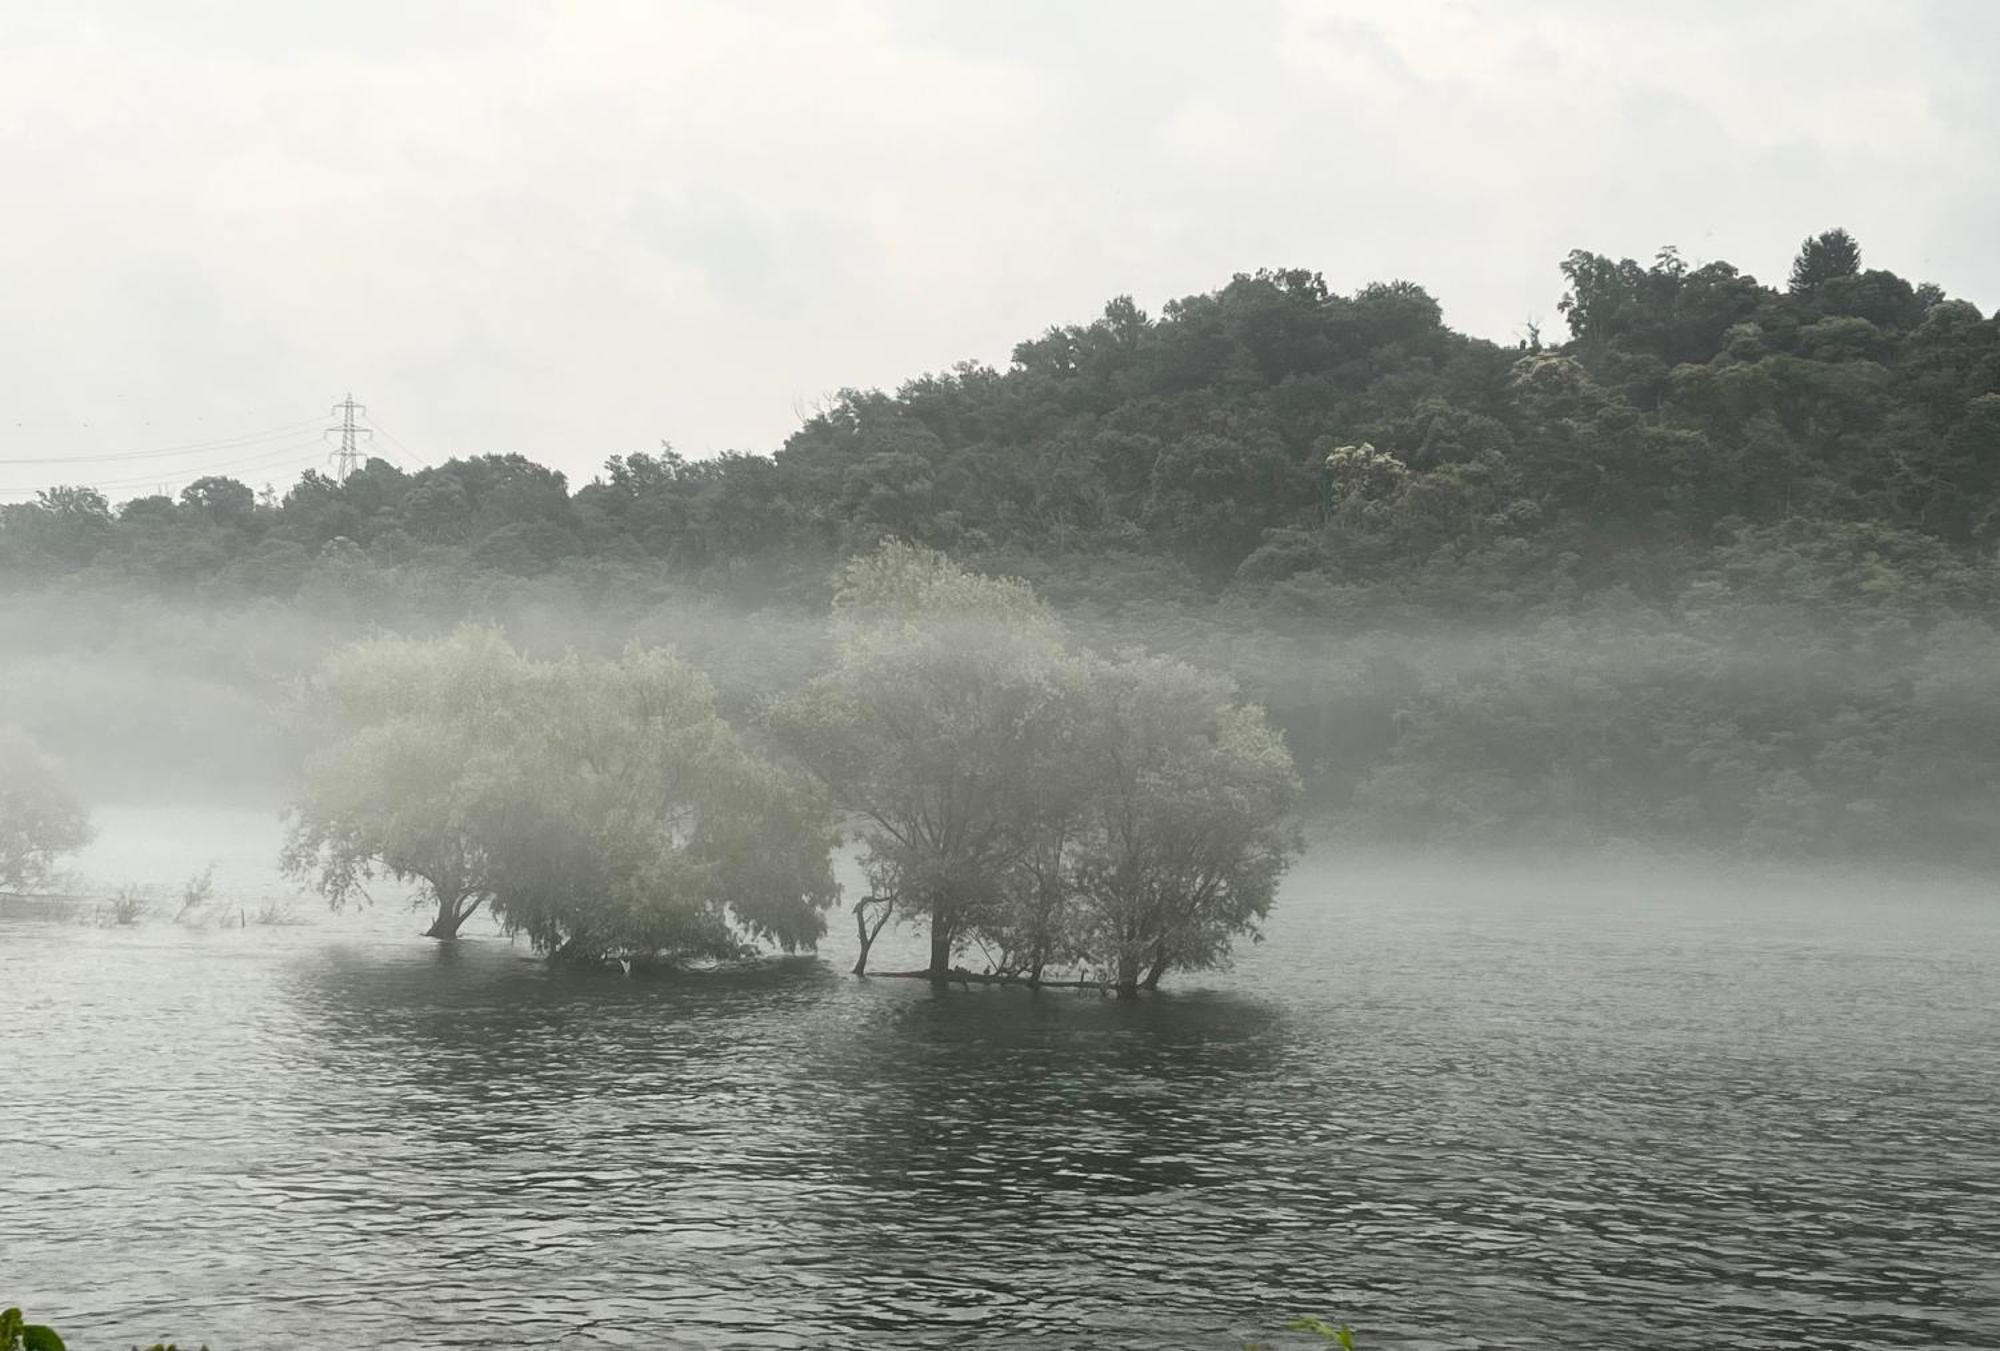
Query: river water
[1507, 1106]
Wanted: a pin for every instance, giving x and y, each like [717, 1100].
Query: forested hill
[1349, 450]
[1720, 567]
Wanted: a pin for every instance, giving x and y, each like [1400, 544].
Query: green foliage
[1272, 479]
[1181, 831]
[935, 727]
[224, 501]
[1054, 809]
[41, 818]
[1340, 1334]
[1824, 258]
[601, 807]
[651, 829]
[17, 1334]
[1690, 397]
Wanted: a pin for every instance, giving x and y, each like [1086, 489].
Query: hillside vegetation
[1718, 568]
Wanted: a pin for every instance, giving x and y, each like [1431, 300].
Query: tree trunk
[870, 933]
[941, 936]
[1128, 975]
[1153, 974]
[867, 940]
[451, 913]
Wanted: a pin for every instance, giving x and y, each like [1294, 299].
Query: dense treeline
[1721, 566]
[1692, 405]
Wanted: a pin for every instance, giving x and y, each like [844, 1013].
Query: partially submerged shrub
[277, 913]
[127, 907]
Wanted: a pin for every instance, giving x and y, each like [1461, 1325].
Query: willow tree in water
[417, 776]
[603, 808]
[1185, 827]
[1055, 812]
[649, 828]
[934, 730]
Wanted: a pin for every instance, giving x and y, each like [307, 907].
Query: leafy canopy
[1041, 805]
[601, 807]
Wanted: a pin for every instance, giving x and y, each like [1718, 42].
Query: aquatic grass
[1316, 1327]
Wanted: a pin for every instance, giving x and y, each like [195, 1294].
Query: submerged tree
[933, 729]
[1186, 828]
[41, 819]
[418, 779]
[603, 808]
[1121, 819]
[646, 827]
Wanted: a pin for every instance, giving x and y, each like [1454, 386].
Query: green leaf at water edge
[36, 1337]
[1319, 1327]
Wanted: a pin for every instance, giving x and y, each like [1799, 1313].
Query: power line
[401, 451]
[302, 452]
[305, 451]
[345, 460]
[165, 452]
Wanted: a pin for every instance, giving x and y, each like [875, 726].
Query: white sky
[579, 229]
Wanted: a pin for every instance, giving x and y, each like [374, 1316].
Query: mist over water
[1487, 1103]
[1435, 781]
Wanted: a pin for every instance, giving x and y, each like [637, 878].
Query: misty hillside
[1718, 568]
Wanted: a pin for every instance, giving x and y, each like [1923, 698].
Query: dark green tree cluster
[1269, 430]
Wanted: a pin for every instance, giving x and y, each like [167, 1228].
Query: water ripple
[1451, 1123]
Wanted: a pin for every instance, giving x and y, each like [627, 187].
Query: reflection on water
[1454, 1121]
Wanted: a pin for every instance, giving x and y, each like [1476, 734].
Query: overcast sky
[579, 229]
